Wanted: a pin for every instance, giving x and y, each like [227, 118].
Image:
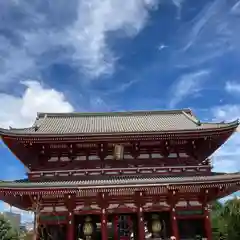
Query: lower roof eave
[24, 200]
[29, 188]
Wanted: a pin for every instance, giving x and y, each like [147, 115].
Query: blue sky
[102, 55]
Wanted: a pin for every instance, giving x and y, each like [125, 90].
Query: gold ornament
[88, 227]
[156, 226]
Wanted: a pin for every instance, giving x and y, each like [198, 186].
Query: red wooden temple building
[121, 175]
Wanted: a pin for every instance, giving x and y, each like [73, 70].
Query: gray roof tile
[116, 122]
[122, 181]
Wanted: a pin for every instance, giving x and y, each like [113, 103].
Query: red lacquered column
[70, 202]
[70, 228]
[175, 231]
[115, 222]
[104, 229]
[207, 223]
[141, 230]
[173, 201]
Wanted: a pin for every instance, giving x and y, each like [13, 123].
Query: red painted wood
[104, 230]
[115, 227]
[70, 231]
[78, 173]
[190, 217]
[35, 144]
[125, 163]
[175, 231]
[53, 222]
[141, 230]
[207, 224]
[118, 138]
[87, 212]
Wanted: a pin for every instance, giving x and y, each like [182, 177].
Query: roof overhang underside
[21, 194]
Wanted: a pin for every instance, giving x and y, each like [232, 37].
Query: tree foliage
[226, 220]
[7, 231]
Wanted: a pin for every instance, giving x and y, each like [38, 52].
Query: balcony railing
[178, 170]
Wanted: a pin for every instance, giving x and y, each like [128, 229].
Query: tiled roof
[117, 122]
[122, 181]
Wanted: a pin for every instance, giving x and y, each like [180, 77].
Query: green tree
[226, 220]
[7, 231]
[218, 223]
[231, 214]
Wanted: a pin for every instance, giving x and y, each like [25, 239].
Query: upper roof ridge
[114, 113]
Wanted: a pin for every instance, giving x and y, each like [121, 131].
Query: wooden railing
[178, 170]
[125, 163]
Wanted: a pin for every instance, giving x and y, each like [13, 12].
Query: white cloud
[87, 34]
[21, 111]
[226, 159]
[187, 85]
[232, 87]
[226, 112]
[96, 20]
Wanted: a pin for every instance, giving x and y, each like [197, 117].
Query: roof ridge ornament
[192, 118]
[38, 122]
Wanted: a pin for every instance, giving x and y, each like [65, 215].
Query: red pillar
[104, 229]
[172, 202]
[115, 228]
[70, 228]
[207, 223]
[141, 225]
[70, 202]
[175, 231]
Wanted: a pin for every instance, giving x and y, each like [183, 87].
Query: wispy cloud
[187, 85]
[236, 8]
[96, 19]
[201, 20]
[232, 87]
[122, 87]
[84, 30]
[178, 4]
[210, 34]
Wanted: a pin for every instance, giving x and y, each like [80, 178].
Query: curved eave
[231, 126]
[178, 182]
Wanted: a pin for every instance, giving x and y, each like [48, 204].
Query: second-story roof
[117, 122]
